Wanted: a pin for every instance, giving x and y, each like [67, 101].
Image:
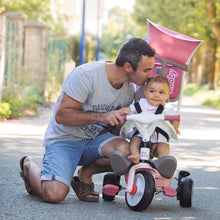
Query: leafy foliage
[202, 95]
[120, 27]
[36, 10]
[13, 105]
[73, 48]
[5, 111]
[32, 9]
[185, 16]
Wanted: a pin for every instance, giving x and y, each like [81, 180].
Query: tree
[36, 10]
[213, 12]
[32, 9]
[177, 15]
[119, 28]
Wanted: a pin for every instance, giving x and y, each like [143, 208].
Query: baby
[156, 93]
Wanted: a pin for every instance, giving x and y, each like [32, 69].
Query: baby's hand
[176, 125]
[177, 130]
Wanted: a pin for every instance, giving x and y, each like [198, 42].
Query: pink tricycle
[144, 180]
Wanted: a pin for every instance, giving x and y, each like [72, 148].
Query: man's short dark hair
[132, 52]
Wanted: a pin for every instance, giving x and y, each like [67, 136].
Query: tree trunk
[214, 23]
[195, 71]
[212, 18]
[208, 62]
[212, 75]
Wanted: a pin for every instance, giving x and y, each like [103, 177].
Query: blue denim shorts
[62, 158]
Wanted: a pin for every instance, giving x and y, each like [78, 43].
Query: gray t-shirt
[89, 85]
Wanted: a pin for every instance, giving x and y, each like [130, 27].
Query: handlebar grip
[172, 117]
[124, 117]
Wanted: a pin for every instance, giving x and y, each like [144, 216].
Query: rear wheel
[185, 192]
[142, 198]
[110, 178]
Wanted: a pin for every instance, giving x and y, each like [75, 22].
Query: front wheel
[142, 198]
[185, 192]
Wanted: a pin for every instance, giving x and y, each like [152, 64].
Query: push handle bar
[172, 117]
[124, 117]
[166, 117]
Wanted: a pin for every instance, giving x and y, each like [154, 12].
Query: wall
[23, 52]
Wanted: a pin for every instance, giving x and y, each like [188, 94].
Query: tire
[145, 184]
[185, 192]
[110, 178]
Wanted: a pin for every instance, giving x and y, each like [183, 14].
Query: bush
[202, 95]
[32, 97]
[14, 105]
[5, 111]
[212, 102]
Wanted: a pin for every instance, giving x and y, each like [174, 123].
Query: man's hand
[69, 113]
[115, 117]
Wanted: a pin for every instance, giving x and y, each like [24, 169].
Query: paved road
[197, 150]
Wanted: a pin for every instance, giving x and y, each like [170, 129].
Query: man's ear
[128, 67]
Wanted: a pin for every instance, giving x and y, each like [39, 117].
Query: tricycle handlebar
[172, 117]
[166, 117]
[124, 117]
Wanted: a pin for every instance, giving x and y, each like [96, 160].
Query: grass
[202, 95]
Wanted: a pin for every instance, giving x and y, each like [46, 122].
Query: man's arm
[69, 113]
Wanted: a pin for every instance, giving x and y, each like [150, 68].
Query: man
[79, 132]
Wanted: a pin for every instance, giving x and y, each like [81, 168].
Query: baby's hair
[158, 79]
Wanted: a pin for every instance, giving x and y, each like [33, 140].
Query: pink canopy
[173, 54]
[170, 44]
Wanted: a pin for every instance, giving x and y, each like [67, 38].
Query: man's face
[143, 71]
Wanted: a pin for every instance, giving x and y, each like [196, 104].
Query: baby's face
[156, 93]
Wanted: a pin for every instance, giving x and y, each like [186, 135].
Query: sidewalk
[197, 150]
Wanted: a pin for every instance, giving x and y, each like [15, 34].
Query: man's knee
[116, 144]
[122, 145]
[54, 191]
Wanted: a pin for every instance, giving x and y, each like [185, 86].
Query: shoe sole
[26, 181]
[166, 166]
[119, 162]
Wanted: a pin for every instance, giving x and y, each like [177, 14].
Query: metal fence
[13, 49]
[56, 58]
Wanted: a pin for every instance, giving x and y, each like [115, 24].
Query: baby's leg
[160, 149]
[135, 148]
[135, 158]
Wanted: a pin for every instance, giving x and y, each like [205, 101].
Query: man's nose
[150, 74]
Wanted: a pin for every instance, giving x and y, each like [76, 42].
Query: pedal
[110, 189]
[168, 191]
